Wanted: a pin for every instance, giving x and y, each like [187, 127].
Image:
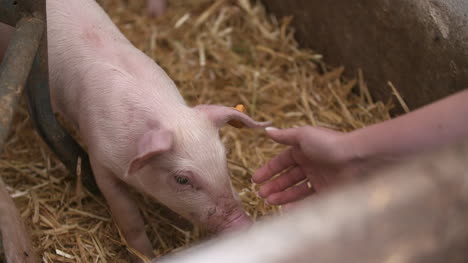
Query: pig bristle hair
[218, 52]
[197, 147]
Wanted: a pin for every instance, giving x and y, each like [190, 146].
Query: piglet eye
[182, 180]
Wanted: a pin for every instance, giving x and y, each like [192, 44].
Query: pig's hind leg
[124, 211]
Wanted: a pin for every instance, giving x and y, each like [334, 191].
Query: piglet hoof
[156, 8]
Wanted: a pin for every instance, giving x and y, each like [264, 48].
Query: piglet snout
[237, 221]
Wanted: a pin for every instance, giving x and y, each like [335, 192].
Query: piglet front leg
[124, 211]
[156, 7]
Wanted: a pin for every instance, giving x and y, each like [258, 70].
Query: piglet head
[184, 167]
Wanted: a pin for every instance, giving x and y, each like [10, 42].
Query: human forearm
[437, 124]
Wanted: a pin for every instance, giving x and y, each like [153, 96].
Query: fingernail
[271, 128]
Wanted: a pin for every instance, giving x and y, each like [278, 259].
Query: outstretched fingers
[292, 194]
[276, 165]
[281, 183]
[289, 136]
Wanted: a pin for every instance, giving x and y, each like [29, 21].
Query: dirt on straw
[221, 52]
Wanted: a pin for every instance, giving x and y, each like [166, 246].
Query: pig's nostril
[230, 209]
[211, 211]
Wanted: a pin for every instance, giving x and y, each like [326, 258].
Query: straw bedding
[223, 52]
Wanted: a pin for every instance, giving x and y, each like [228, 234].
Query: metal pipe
[49, 129]
[15, 69]
[11, 11]
[2, 254]
[415, 213]
[6, 32]
[8, 12]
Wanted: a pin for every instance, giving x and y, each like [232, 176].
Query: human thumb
[284, 136]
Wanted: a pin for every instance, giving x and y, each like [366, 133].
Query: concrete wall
[419, 45]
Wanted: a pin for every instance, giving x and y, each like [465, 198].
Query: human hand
[317, 159]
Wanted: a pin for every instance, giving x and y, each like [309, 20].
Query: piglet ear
[220, 115]
[150, 144]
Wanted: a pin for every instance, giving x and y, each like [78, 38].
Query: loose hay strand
[398, 96]
[220, 52]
